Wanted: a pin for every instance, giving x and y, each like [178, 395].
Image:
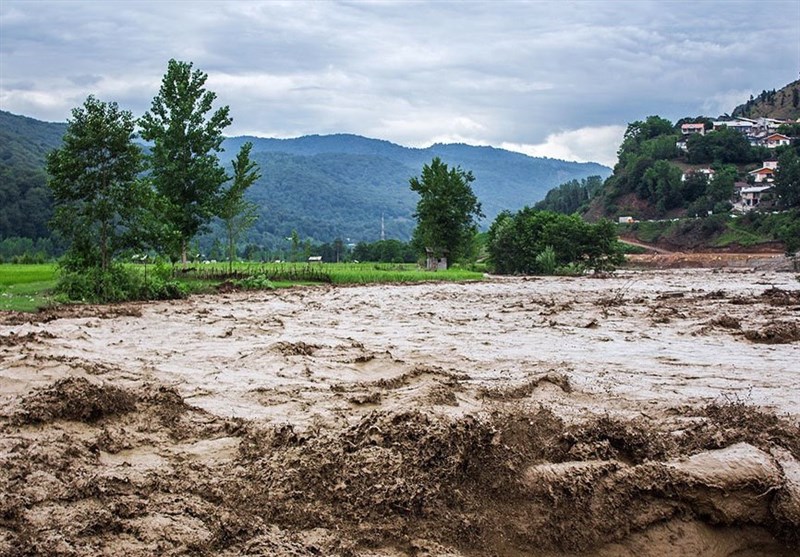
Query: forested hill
[25, 205]
[340, 185]
[323, 187]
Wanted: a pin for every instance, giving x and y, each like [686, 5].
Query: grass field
[28, 287]
[334, 273]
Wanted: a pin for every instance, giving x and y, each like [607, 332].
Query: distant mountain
[323, 186]
[341, 185]
[25, 203]
[783, 104]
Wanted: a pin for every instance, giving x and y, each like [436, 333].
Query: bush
[532, 241]
[255, 282]
[546, 261]
[116, 284]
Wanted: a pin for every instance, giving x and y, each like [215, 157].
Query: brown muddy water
[646, 413]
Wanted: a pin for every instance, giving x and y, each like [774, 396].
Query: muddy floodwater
[645, 413]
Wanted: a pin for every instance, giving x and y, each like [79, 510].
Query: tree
[662, 185]
[725, 145]
[447, 210]
[787, 180]
[186, 139]
[237, 213]
[537, 242]
[99, 201]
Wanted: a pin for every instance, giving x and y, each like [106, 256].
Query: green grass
[334, 273]
[741, 237]
[26, 287]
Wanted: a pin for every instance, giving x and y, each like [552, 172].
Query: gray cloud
[516, 73]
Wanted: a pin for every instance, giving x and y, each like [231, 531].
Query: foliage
[639, 137]
[93, 177]
[537, 242]
[447, 211]
[661, 184]
[236, 213]
[183, 160]
[787, 179]
[325, 187]
[546, 261]
[725, 145]
[255, 282]
[571, 196]
[385, 251]
[26, 204]
[118, 283]
[26, 250]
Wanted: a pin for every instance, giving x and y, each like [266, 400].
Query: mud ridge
[142, 470]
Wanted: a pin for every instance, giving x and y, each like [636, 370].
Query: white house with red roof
[691, 129]
[763, 174]
[775, 140]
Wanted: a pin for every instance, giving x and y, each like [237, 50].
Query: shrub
[116, 284]
[546, 261]
[255, 282]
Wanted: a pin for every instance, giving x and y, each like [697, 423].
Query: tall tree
[787, 180]
[447, 211]
[186, 138]
[93, 176]
[234, 210]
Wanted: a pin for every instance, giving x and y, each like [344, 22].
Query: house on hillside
[691, 129]
[763, 174]
[743, 125]
[775, 140]
[753, 196]
[709, 173]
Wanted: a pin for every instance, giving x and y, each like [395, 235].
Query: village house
[709, 173]
[762, 174]
[691, 129]
[775, 140]
[752, 196]
[743, 125]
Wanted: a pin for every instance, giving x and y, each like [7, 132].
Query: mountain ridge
[361, 180]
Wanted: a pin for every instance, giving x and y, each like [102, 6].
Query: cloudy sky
[547, 78]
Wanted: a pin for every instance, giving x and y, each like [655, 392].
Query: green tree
[447, 211]
[236, 213]
[721, 186]
[662, 185]
[536, 242]
[183, 160]
[725, 145]
[637, 133]
[787, 180]
[100, 203]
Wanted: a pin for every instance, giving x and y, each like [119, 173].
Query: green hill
[783, 104]
[322, 186]
[25, 203]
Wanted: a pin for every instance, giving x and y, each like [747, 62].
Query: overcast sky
[558, 79]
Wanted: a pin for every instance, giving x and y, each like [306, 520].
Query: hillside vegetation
[783, 104]
[25, 201]
[322, 187]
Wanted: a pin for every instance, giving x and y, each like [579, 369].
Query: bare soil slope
[647, 413]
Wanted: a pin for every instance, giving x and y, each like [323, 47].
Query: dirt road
[637, 414]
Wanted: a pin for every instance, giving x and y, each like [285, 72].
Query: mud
[630, 415]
